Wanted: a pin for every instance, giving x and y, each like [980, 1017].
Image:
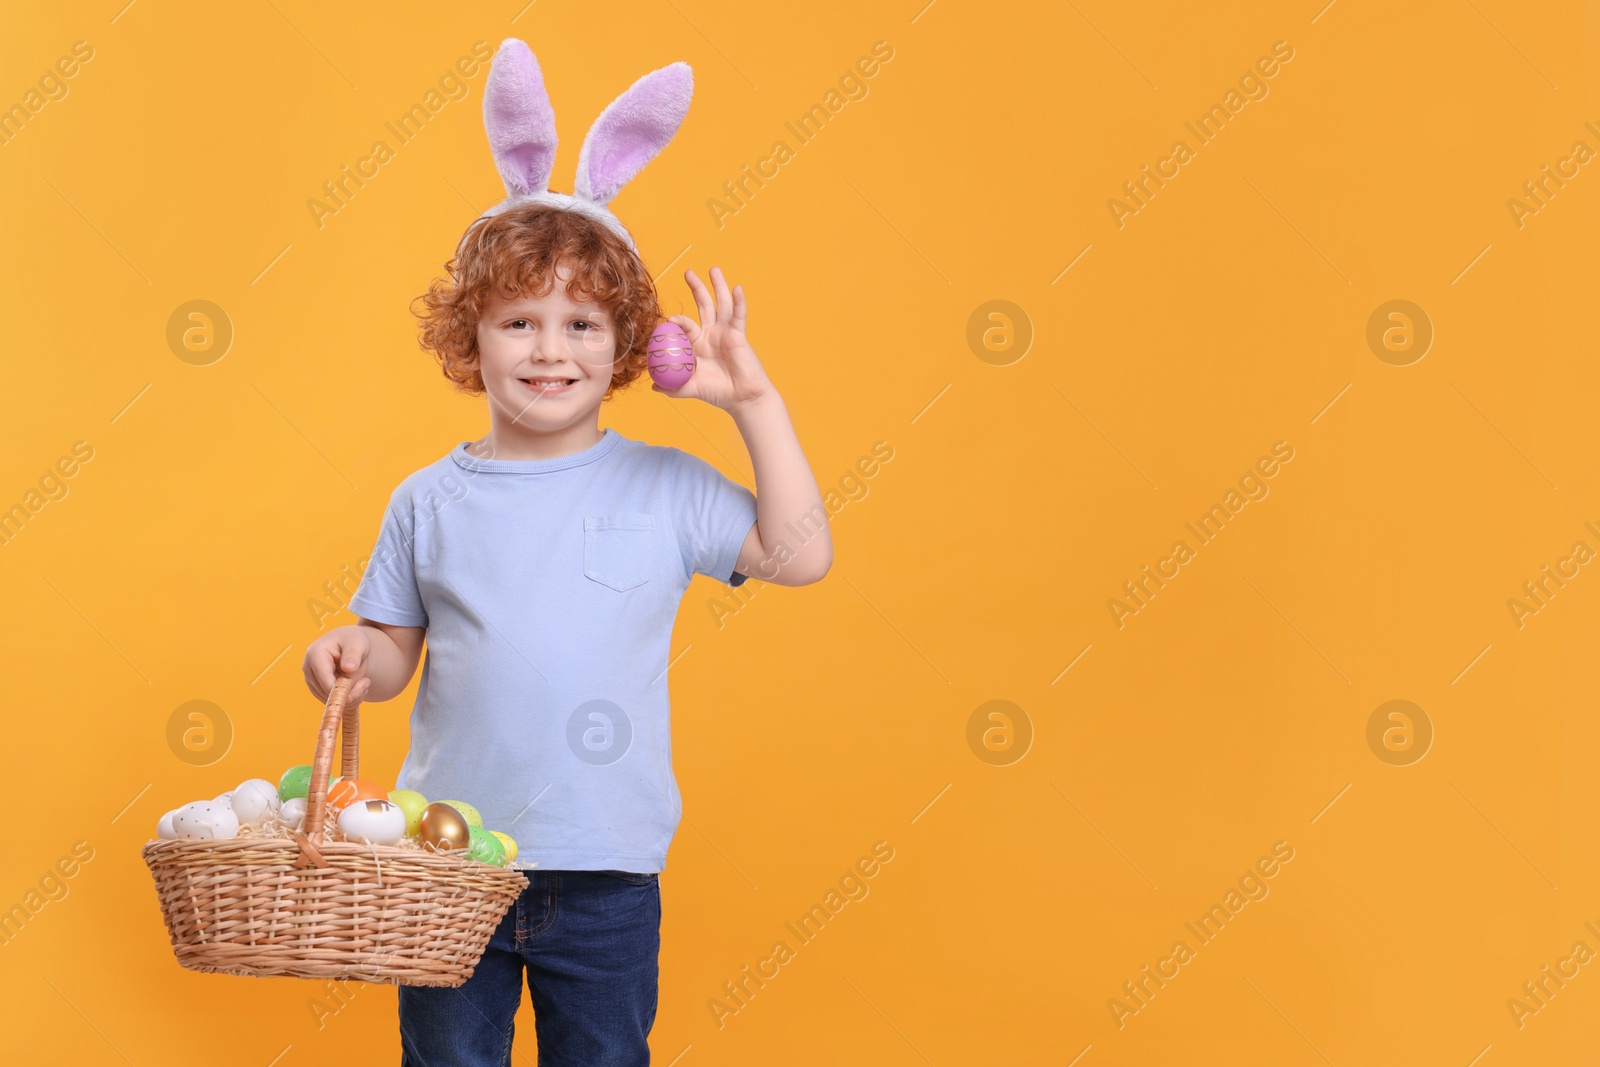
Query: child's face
[546, 337]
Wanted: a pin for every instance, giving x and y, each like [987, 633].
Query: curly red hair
[516, 253]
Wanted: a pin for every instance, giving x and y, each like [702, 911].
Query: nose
[549, 347]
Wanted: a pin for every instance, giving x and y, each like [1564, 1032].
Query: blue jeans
[590, 942]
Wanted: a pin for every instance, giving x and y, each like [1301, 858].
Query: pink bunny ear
[519, 119]
[631, 130]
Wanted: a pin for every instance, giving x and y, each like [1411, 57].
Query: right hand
[341, 651]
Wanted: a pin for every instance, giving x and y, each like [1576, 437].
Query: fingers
[720, 308]
[319, 671]
[335, 655]
[724, 298]
[359, 692]
[353, 655]
[702, 299]
[690, 327]
[738, 308]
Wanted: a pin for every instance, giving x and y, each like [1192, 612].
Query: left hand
[727, 373]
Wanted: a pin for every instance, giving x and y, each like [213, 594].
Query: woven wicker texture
[310, 906]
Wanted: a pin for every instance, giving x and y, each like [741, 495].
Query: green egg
[485, 847]
[296, 782]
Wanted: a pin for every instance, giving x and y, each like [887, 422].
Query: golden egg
[443, 828]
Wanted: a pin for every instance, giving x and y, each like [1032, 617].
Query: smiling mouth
[547, 384]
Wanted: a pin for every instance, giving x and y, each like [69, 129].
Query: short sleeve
[712, 515]
[388, 592]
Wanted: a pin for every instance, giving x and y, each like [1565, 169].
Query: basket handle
[332, 716]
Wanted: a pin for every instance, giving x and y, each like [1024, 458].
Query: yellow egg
[510, 845]
[413, 804]
[468, 812]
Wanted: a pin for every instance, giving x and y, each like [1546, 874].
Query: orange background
[1229, 313]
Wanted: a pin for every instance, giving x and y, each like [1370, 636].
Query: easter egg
[296, 782]
[164, 828]
[224, 798]
[205, 820]
[485, 847]
[347, 791]
[377, 822]
[255, 799]
[467, 811]
[442, 828]
[412, 803]
[293, 813]
[508, 844]
[670, 356]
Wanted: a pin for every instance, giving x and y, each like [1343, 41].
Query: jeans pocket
[619, 549]
[631, 877]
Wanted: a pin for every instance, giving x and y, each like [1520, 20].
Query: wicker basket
[306, 907]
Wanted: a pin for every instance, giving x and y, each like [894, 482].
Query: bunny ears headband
[628, 134]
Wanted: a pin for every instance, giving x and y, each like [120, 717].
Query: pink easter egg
[671, 358]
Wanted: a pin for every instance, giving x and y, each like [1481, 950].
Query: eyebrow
[522, 310]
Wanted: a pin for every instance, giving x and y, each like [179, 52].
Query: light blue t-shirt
[549, 588]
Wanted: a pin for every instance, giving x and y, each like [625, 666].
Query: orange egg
[346, 791]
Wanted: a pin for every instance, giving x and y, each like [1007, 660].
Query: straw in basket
[305, 907]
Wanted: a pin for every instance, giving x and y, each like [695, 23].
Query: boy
[545, 563]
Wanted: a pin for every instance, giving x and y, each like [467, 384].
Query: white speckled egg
[205, 820]
[164, 829]
[254, 800]
[293, 812]
[224, 798]
[377, 822]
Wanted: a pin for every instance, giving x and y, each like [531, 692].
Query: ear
[631, 130]
[519, 119]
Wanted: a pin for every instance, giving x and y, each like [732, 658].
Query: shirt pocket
[619, 549]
